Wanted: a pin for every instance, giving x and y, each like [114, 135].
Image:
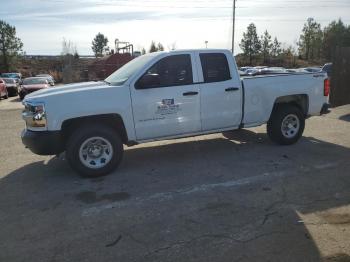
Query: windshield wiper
[108, 83]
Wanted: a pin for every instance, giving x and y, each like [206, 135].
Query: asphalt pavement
[234, 196]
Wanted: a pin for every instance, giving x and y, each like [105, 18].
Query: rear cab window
[215, 67]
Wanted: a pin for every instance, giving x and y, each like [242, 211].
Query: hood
[70, 88]
[35, 87]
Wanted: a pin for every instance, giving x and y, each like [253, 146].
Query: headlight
[34, 114]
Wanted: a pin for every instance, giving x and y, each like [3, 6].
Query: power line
[239, 7]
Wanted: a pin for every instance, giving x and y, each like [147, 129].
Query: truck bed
[260, 93]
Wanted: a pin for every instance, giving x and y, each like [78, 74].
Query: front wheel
[94, 151]
[286, 124]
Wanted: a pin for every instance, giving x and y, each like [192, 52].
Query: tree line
[10, 45]
[314, 44]
[99, 46]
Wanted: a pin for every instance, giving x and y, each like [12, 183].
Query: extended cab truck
[166, 95]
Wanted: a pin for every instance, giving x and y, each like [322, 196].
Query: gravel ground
[224, 197]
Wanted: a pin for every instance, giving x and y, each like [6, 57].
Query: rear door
[221, 92]
[171, 106]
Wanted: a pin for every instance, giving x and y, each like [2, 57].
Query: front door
[165, 100]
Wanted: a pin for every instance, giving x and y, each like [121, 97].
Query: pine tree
[276, 48]
[10, 44]
[250, 43]
[99, 45]
[310, 41]
[160, 47]
[266, 45]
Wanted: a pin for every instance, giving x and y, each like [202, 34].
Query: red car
[3, 89]
[32, 84]
[12, 86]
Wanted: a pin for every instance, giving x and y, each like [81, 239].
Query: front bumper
[43, 142]
[325, 109]
[25, 92]
[12, 88]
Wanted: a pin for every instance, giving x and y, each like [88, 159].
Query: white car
[166, 95]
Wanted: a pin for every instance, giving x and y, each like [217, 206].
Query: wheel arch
[299, 100]
[115, 121]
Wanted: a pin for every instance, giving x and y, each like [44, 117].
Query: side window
[173, 70]
[215, 67]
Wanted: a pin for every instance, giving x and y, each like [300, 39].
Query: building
[105, 66]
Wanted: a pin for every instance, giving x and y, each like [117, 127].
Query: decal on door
[168, 107]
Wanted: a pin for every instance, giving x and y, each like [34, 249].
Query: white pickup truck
[166, 95]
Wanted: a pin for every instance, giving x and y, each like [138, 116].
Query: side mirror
[148, 81]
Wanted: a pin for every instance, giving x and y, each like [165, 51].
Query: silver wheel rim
[290, 126]
[95, 152]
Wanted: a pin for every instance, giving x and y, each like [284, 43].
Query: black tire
[85, 132]
[274, 125]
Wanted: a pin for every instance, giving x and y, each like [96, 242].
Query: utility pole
[206, 44]
[233, 25]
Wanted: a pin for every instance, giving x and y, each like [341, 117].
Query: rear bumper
[43, 142]
[325, 109]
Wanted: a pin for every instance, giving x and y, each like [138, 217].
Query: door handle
[190, 93]
[231, 89]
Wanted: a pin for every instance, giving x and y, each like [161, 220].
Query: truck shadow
[273, 217]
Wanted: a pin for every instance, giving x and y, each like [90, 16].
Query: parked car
[312, 69]
[272, 71]
[244, 68]
[328, 69]
[16, 76]
[260, 67]
[292, 70]
[49, 78]
[12, 86]
[3, 89]
[32, 84]
[166, 95]
[241, 73]
[251, 72]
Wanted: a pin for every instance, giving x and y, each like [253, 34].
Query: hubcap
[290, 126]
[95, 152]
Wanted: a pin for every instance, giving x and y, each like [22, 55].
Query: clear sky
[42, 24]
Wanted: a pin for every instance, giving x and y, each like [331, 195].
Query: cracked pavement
[224, 197]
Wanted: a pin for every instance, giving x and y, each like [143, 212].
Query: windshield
[120, 76]
[9, 81]
[46, 76]
[10, 75]
[34, 81]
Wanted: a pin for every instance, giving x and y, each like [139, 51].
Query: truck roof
[195, 50]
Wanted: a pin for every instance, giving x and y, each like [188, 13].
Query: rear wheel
[286, 124]
[94, 151]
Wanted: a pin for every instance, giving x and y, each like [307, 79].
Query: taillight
[327, 87]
